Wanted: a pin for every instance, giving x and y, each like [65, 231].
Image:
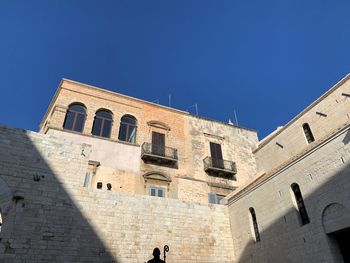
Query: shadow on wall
[41, 222]
[324, 239]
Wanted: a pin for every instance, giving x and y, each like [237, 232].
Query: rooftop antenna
[169, 100]
[195, 106]
[234, 111]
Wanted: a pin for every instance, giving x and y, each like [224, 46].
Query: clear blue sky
[266, 59]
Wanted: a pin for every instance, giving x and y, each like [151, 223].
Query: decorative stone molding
[159, 176]
[221, 185]
[158, 124]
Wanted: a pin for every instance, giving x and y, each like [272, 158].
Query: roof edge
[266, 176]
[313, 104]
[124, 96]
[51, 104]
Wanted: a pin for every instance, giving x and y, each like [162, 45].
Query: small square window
[215, 198]
[99, 185]
[156, 191]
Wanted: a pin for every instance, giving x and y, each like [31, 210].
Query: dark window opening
[0, 220]
[158, 144]
[308, 134]
[127, 130]
[102, 124]
[99, 185]
[255, 224]
[75, 118]
[109, 186]
[303, 216]
[216, 155]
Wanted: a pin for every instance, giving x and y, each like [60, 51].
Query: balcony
[219, 167]
[158, 154]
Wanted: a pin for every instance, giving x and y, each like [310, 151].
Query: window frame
[157, 189]
[254, 225]
[128, 126]
[299, 204]
[308, 133]
[217, 198]
[103, 119]
[75, 117]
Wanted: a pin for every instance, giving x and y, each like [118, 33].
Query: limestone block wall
[48, 216]
[328, 112]
[119, 164]
[236, 144]
[323, 177]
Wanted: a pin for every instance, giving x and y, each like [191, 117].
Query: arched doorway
[336, 224]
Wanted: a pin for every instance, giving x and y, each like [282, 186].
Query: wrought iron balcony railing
[219, 166]
[159, 153]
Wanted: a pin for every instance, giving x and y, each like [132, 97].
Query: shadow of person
[156, 257]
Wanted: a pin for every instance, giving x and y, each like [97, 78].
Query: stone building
[140, 147]
[109, 177]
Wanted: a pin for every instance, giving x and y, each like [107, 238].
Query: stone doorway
[336, 224]
[343, 240]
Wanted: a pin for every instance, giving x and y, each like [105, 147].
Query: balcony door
[158, 144]
[216, 155]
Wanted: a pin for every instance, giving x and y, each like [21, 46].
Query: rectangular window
[158, 144]
[87, 179]
[215, 198]
[156, 191]
[216, 155]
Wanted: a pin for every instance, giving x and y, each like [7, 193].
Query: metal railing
[158, 150]
[210, 163]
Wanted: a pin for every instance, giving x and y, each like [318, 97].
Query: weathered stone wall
[322, 174]
[120, 162]
[48, 216]
[328, 112]
[236, 144]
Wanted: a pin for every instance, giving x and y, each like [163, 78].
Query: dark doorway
[158, 144]
[343, 239]
[216, 155]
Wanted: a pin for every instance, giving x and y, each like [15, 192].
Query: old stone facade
[110, 177]
[132, 165]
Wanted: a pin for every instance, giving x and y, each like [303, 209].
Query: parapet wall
[48, 216]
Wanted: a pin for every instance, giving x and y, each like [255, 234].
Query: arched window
[254, 224]
[75, 117]
[0, 220]
[300, 206]
[308, 133]
[103, 123]
[127, 130]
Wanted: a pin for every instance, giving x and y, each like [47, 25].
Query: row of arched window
[102, 126]
[299, 206]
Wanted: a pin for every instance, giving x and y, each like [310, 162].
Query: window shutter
[158, 143]
[216, 155]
